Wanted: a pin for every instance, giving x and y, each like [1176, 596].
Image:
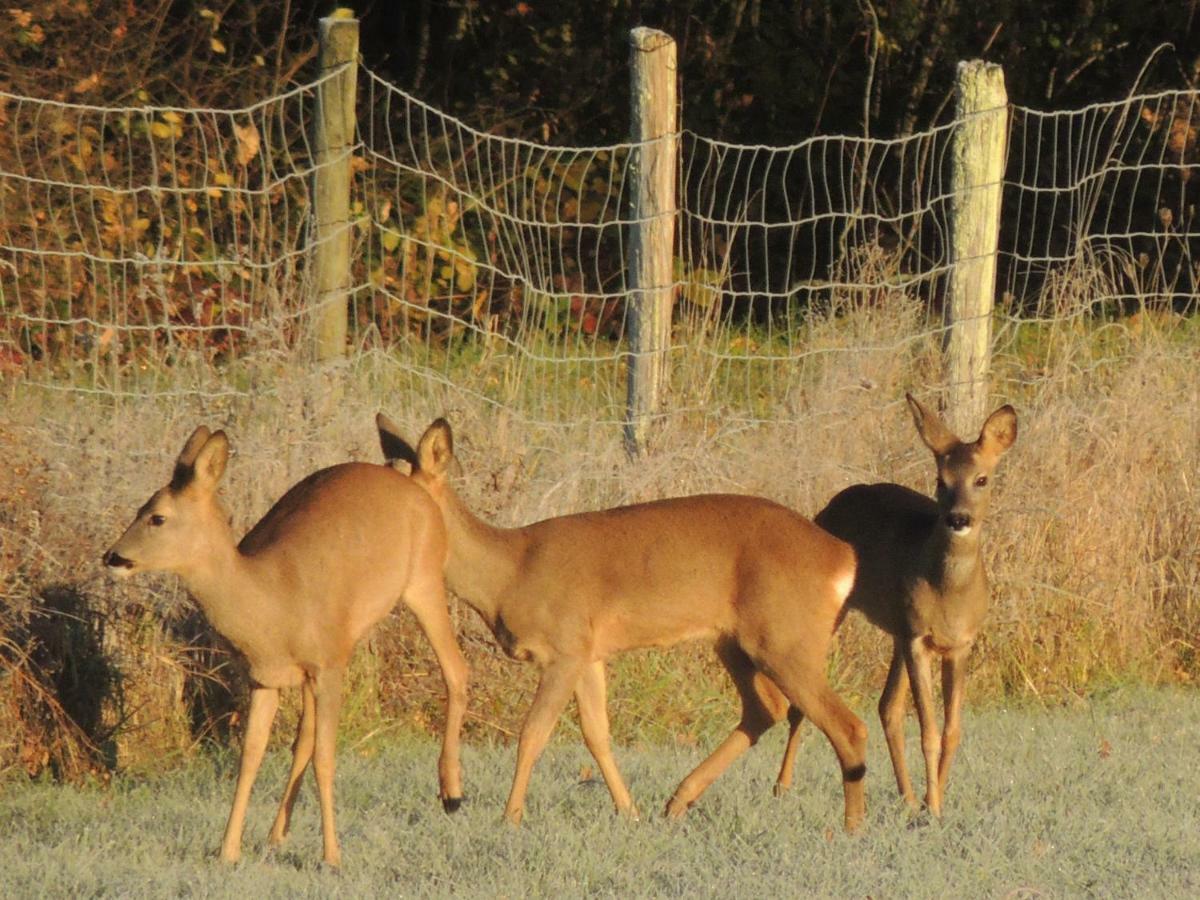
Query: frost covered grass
[1090, 798]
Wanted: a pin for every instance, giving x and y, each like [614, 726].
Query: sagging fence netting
[151, 250]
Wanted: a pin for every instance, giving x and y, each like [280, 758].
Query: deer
[921, 579]
[295, 596]
[760, 581]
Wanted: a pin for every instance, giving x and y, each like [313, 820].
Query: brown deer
[328, 561]
[566, 593]
[921, 579]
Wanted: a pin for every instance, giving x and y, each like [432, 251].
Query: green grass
[1087, 799]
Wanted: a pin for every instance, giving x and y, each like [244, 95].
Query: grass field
[1087, 799]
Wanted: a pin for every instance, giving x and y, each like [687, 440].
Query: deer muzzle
[121, 565]
[958, 522]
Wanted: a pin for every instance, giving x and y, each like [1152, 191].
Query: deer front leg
[302, 750]
[954, 678]
[917, 660]
[327, 702]
[892, 703]
[554, 690]
[263, 704]
[592, 700]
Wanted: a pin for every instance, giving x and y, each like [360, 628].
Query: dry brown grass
[1092, 539]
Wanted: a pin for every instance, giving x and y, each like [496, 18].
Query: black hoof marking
[452, 804]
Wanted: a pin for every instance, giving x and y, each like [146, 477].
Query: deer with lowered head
[922, 580]
[759, 580]
[295, 596]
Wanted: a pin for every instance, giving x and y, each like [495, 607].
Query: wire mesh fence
[140, 243]
[1106, 191]
[495, 256]
[141, 240]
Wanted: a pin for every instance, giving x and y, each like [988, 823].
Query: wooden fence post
[980, 147]
[333, 137]
[652, 232]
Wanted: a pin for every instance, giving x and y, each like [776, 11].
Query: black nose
[116, 561]
[959, 521]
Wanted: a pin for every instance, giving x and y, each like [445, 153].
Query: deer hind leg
[302, 751]
[554, 690]
[763, 704]
[787, 768]
[892, 703]
[954, 673]
[263, 704]
[807, 688]
[917, 659]
[427, 600]
[783, 781]
[591, 698]
[327, 704]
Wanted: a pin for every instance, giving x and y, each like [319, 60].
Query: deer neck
[954, 563]
[228, 588]
[483, 561]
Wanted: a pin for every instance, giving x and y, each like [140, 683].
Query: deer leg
[327, 702]
[795, 719]
[554, 690]
[891, 714]
[263, 704]
[302, 750]
[591, 698]
[428, 603]
[788, 766]
[762, 706]
[808, 689]
[917, 660]
[954, 673]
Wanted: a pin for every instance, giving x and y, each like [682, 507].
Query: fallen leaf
[83, 85]
[248, 142]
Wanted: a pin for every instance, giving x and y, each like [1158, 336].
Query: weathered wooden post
[652, 232]
[333, 138]
[980, 147]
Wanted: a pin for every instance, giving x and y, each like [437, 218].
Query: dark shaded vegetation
[771, 72]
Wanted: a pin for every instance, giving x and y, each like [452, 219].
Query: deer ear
[210, 462]
[185, 462]
[435, 452]
[933, 431]
[192, 446]
[396, 450]
[999, 431]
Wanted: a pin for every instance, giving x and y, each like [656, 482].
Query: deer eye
[157, 520]
[981, 481]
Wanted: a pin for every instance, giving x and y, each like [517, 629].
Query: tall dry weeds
[1091, 541]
